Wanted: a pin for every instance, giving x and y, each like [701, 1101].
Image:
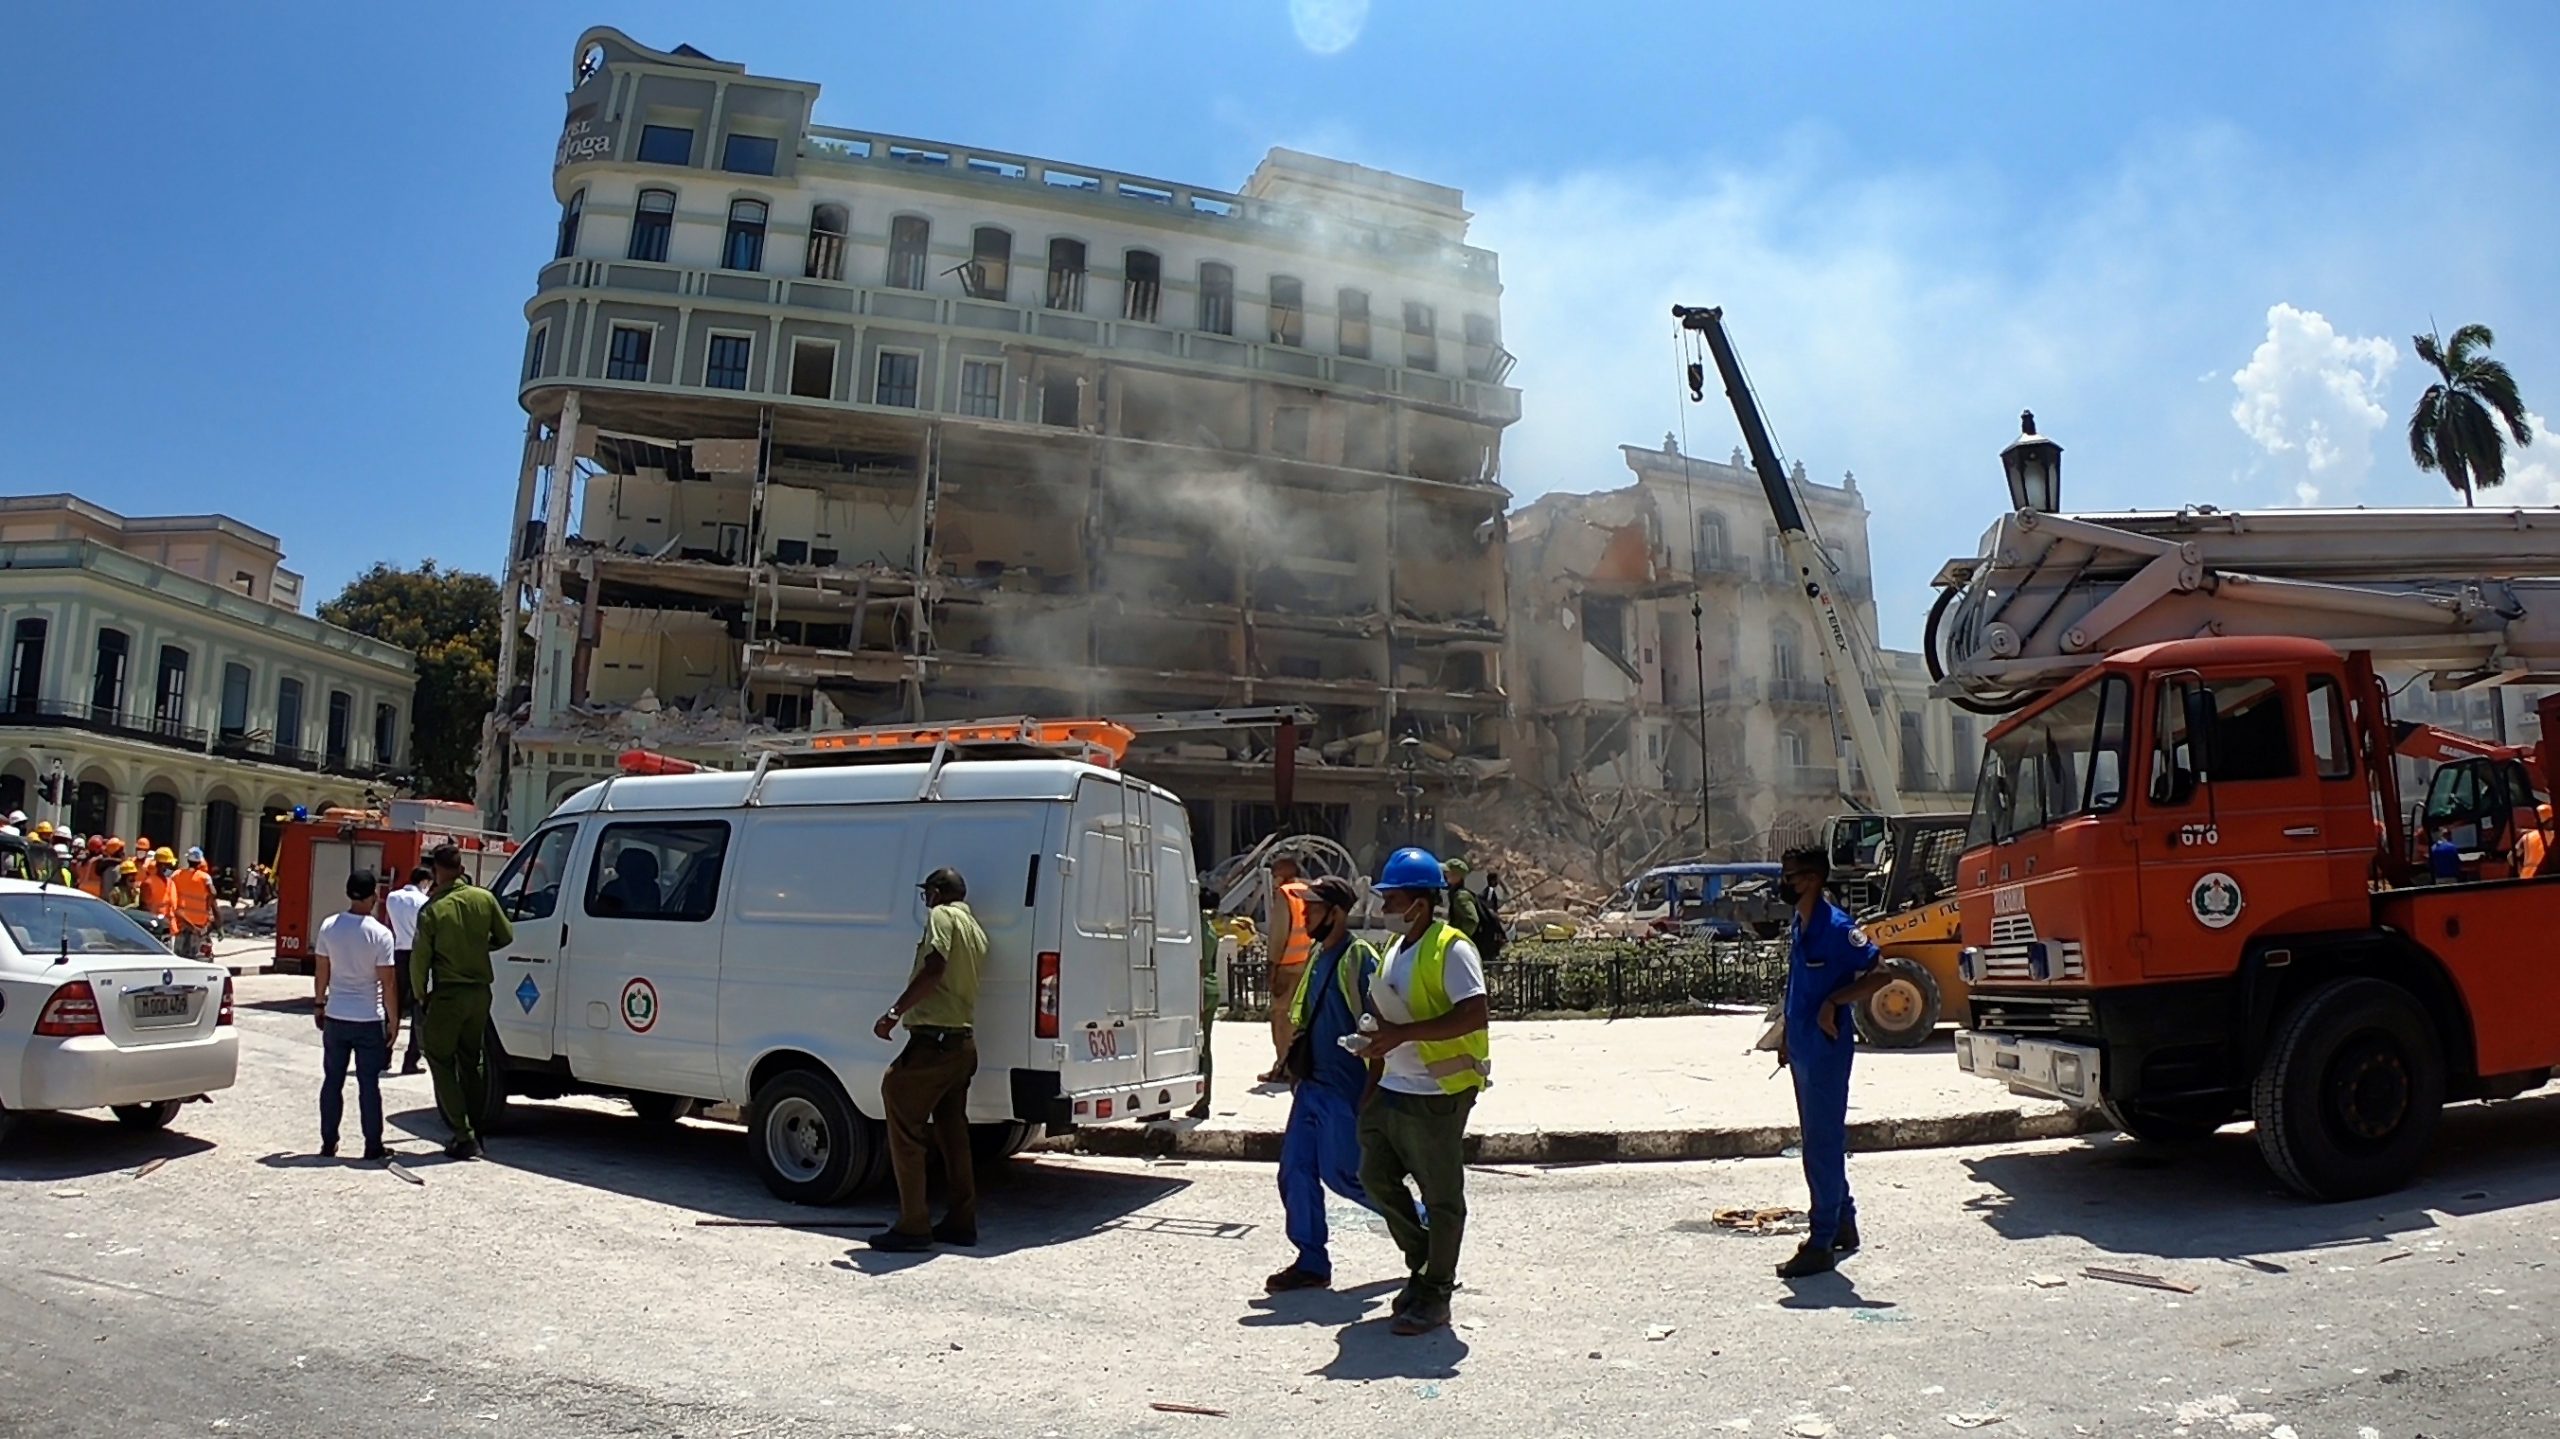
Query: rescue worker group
[1384, 1054]
[178, 898]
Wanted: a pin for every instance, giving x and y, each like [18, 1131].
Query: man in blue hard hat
[1427, 1058]
[1321, 1147]
[1831, 968]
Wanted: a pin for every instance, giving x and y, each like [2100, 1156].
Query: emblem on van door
[639, 1005]
[2216, 900]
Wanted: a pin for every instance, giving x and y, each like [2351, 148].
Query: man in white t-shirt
[1427, 1058]
[356, 996]
[400, 911]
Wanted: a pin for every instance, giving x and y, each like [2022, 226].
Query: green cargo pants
[455, 1036]
[1423, 1136]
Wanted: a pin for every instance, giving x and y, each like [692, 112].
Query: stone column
[190, 826]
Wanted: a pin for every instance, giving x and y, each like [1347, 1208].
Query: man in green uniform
[927, 1085]
[458, 928]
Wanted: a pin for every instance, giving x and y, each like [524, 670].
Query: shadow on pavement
[1834, 1290]
[2216, 1199]
[1328, 1308]
[47, 1146]
[1373, 1350]
[703, 1166]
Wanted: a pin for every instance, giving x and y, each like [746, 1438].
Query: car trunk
[147, 1004]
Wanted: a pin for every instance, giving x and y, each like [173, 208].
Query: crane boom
[2466, 592]
[1848, 679]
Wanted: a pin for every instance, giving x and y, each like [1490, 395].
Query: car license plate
[167, 1005]
[1102, 1044]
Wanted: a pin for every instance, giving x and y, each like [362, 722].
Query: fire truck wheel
[811, 1145]
[2150, 1126]
[1903, 1014]
[663, 1109]
[2350, 1092]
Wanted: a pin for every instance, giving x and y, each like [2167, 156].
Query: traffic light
[53, 788]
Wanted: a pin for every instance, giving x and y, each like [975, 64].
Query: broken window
[666, 145]
[288, 731]
[1060, 397]
[1486, 359]
[726, 365]
[1711, 540]
[652, 224]
[1421, 337]
[627, 357]
[909, 237]
[989, 273]
[826, 243]
[1290, 429]
[813, 369]
[1143, 285]
[982, 388]
[1066, 274]
[1351, 323]
[895, 381]
[748, 154]
[1288, 311]
[744, 247]
[1217, 298]
[786, 711]
[1604, 624]
[569, 214]
[169, 703]
[106, 680]
[234, 720]
[341, 729]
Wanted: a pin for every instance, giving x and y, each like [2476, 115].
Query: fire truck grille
[2021, 1014]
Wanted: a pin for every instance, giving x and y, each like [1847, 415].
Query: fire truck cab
[2185, 902]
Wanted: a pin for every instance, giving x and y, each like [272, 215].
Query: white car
[97, 1014]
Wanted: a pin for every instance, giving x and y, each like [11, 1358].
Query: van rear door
[1129, 971]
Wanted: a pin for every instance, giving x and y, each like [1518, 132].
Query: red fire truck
[316, 855]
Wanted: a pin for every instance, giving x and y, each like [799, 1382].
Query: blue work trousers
[1821, 1069]
[1319, 1150]
[362, 1041]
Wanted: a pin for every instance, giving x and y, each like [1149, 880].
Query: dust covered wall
[1442, 570]
[675, 654]
[860, 524]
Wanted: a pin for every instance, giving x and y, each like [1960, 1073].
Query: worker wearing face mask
[1831, 968]
[1427, 1058]
[1320, 1149]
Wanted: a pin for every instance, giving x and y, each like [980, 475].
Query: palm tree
[2455, 427]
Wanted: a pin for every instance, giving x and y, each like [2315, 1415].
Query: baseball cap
[1334, 892]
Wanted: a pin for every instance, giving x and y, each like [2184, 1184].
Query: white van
[732, 936]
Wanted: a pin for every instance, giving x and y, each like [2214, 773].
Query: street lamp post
[1410, 748]
[2034, 467]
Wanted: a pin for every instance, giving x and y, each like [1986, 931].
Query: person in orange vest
[157, 897]
[2534, 845]
[1289, 947]
[85, 856]
[191, 899]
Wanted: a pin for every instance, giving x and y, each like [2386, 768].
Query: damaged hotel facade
[832, 428]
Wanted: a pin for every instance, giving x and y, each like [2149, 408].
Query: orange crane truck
[2186, 895]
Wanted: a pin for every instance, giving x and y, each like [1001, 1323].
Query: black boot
[1809, 1260]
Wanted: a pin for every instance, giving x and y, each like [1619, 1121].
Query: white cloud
[2314, 396]
[2533, 474]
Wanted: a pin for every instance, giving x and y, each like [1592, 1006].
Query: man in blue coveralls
[1321, 1146]
[1830, 967]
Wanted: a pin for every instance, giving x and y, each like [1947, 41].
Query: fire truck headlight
[2067, 1076]
[2040, 960]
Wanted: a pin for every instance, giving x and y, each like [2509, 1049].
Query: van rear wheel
[2348, 1098]
[991, 1144]
[811, 1145]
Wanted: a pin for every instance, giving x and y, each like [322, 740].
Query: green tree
[449, 619]
[2455, 429]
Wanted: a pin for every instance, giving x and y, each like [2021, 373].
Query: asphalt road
[564, 1288]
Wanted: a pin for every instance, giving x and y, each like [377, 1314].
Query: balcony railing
[1809, 778]
[1798, 690]
[28, 710]
[291, 755]
[1727, 566]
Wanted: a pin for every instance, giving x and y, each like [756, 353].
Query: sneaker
[949, 1233]
[1845, 1243]
[1426, 1313]
[898, 1241]
[1295, 1277]
[1808, 1261]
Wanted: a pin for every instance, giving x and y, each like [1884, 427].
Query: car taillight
[225, 1016]
[1044, 997]
[71, 1013]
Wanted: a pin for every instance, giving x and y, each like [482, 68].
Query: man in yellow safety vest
[1427, 1058]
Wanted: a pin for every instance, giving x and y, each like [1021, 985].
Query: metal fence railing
[1588, 976]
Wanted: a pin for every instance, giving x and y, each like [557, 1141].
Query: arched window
[1791, 749]
[1066, 274]
[1778, 568]
[743, 249]
[1711, 540]
[909, 237]
[1142, 273]
[651, 224]
[826, 243]
[1217, 298]
[569, 214]
[1784, 663]
[990, 272]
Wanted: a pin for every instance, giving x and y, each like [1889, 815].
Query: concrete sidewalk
[1585, 1090]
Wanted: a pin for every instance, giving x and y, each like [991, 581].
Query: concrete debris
[2047, 1281]
[151, 1167]
[1167, 1406]
[1810, 1426]
[2137, 1279]
[1656, 1333]
[1760, 1221]
[1975, 1421]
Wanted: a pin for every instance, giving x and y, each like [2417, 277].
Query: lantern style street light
[2034, 464]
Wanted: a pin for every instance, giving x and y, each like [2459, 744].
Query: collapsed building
[832, 428]
[1667, 664]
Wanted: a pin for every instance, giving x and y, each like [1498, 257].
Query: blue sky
[271, 259]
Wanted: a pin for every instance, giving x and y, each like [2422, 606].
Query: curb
[1563, 1146]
